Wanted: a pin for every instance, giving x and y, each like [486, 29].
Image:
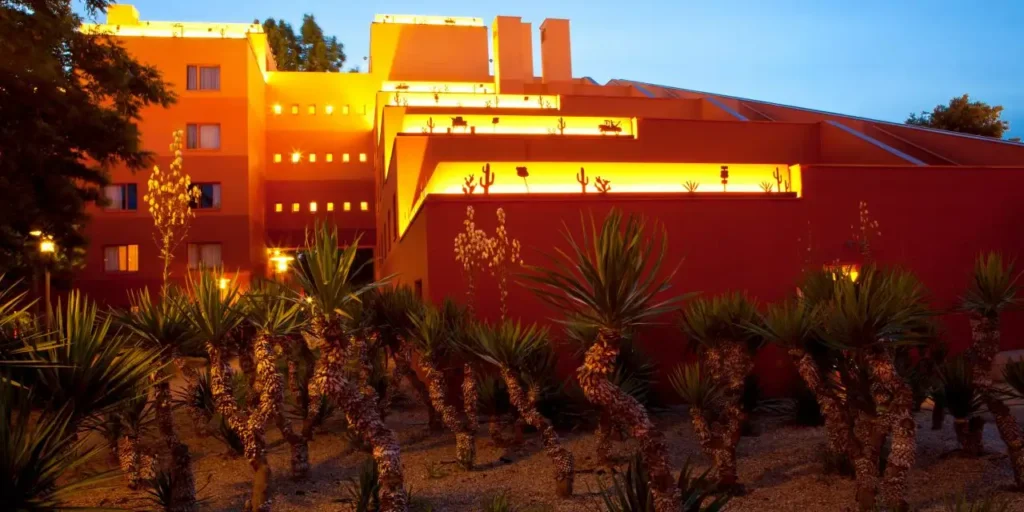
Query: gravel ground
[781, 469]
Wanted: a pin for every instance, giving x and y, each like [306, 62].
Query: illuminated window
[277, 158]
[296, 156]
[124, 197]
[121, 258]
[295, 109]
[344, 157]
[295, 207]
[329, 157]
[312, 207]
[202, 136]
[362, 157]
[277, 109]
[330, 207]
[329, 109]
[344, 110]
[364, 206]
[203, 255]
[312, 158]
[278, 207]
[311, 110]
[347, 206]
[202, 78]
[209, 196]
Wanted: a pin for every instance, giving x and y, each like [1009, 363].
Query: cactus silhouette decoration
[582, 179]
[778, 179]
[487, 179]
[787, 186]
[602, 186]
[767, 186]
[725, 177]
[691, 186]
[560, 126]
[494, 124]
[469, 184]
[523, 173]
[430, 125]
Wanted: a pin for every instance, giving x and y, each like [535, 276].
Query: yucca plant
[364, 492]
[20, 337]
[870, 320]
[124, 429]
[711, 419]
[990, 503]
[993, 289]
[523, 357]
[956, 391]
[325, 273]
[498, 502]
[610, 280]
[631, 492]
[719, 329]
[432, 336]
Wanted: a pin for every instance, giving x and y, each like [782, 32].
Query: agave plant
[365, 491]
[432, 336]
[610, 280]
[961, 503]
[869, 321]
[720, 329]
[523, 354]
[960, 397]
[325, 274]
[20, 337]
[631, 492]
[993, 289]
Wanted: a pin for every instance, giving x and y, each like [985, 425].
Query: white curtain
[216, 198]
[209, 78]
[115, 195]
[206, 255]
[121, 258]
[191, 136]
[192, 82]
[209, 136]
[110, 259]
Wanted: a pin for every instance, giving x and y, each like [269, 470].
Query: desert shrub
[630, 491]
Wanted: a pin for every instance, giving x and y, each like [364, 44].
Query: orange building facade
[750, 192]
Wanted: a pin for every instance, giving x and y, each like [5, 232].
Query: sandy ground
[781, 468]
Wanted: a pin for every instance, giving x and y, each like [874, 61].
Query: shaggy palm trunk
[969, 434]
[729, 364]
[838, 427]
[985, 336]
[899, 420]
[603, 434]
[137, 466]
[183, 488]
[868, 439]
[625, 410]
[711, 433]
[402, 359]
[465, 442]
[362, 415]
[272, 405]
[470, 398]
[526, 404]
[356, 353]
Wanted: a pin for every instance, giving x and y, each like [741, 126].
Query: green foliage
[499, 502]
[630, 491]
[993, 286]
[989, 503]
[609, 278]
[388, 311]
[70, 102]
[213, 312]
[436, 332]
[365, 491]
[965, 116]
[92, 370]
[227, 436]
[956, 389]
[1013, 374]
[790, 324]
[163, 324]
[696, 386]
[310, 50]
[723, 318]
[523, 348]
[325, 271]
[271, 309]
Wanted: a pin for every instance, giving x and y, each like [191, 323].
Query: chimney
[555, 53]
[122, 14]
[513, 54]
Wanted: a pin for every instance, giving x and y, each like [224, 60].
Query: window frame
[128, 260]
[124, 197]
[199, 137]
[199, 77]
[200, 245]
[196, 204]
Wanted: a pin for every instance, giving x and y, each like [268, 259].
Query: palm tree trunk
[137, 466]
[356, 352]
[403, 368]
[711, 434]
[526, 404]
[900, 421]
[838, 427]
[272, 405]
[868, 439]
[183, 489]
[465, 442]
[470, 398]
[598, 363]
[736, 365]
[985, 336]
[603, 435]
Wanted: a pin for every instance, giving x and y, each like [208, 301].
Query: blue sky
[872, 58]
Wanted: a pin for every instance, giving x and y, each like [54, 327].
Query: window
[364, 206]
[312, 158]
[203, 255]
[122, 197]
[330, 207]
[295, 109]
[203, 78]
[329, 109]
[209, 195]
[203, 136]
[277, 109]
[344, 157]
[121, 258]
[344, 110]
[278, 207]
[277, 158]
[296, 156]
[347, 206]
[329, 157]
[362, 157]
[295, 207]
[312, 207]
[311, 110]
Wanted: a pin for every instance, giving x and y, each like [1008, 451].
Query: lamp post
[47, 248]
[281, 262]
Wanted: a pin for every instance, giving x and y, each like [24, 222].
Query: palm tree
[719, 328]
[993, 289]
[275, 316]
[957, 392]
[792, 326]
[163, 325]
[325, 274]
[431, 335]
[610, 280]
[870, 320]
[523, 354]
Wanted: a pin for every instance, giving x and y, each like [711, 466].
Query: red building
[387, 153]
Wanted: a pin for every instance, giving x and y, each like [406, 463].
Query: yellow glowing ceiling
[473, 100]
[518, 124]
[177, 29]
[432, 87]
[411, 19]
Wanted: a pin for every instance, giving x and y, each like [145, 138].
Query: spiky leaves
[790, 324]
[325, 271]
[162, 324]
[630, 491]
[696, 387]
[272, 310]
[958, 394]
[721, 319]
[993, 288]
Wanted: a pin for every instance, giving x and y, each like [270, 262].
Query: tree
[70, 101]
[965, 116]
[310, 50]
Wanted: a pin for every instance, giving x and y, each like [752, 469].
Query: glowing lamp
[280, 261]
[35, 232]
[223, 283]
[277, 109]
[329, 109]
[296, 156]
[46, 246]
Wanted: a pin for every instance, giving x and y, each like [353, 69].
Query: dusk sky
[880, 59]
